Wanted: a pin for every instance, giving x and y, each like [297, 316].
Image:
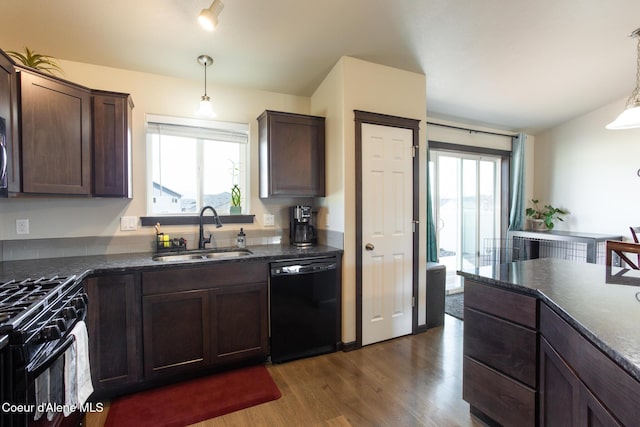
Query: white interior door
[387, 232]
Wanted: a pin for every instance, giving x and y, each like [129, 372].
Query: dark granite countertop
[605, 313]
[82, 266]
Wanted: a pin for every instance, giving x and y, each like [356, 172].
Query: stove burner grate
[23, 299]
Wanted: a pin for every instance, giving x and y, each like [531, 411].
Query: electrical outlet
[22, 226]
[128, 223]
[268, 220]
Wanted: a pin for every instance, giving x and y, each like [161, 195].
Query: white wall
[327, 101]
[359, 85]
[69, 217]
[591, 171]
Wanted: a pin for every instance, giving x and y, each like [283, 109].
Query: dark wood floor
[408, 381]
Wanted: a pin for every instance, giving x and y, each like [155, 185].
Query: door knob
[369, 247]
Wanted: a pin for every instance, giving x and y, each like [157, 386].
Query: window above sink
[195, 163]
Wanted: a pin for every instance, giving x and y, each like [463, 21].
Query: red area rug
[196, 400]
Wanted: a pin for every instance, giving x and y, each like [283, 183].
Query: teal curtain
[432, 245]
[517, 209]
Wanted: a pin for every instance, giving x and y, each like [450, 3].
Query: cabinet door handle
[369, 247]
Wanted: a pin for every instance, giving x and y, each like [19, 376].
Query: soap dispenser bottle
[241, 241]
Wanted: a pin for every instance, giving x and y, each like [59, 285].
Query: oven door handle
[3, 159]
[42, 363]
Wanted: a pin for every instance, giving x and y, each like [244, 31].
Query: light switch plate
[268, 220]
[128, 223]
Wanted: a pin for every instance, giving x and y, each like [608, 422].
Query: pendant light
[206, 108]
[208, 18]
[630, 117]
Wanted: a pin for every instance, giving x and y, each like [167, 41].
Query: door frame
[505, 169]
[364, 117]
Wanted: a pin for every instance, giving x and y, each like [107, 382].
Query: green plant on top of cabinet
[35, 60]
[292, 155]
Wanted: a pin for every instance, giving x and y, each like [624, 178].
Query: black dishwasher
[304, 308]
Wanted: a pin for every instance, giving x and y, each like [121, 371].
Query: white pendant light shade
[208, 18]
[206, 108]
[630, 117]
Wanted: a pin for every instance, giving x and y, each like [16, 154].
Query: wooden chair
[621, 249]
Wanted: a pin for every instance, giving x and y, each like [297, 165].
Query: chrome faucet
[216, 219]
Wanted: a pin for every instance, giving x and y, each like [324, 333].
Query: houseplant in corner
[541, 219]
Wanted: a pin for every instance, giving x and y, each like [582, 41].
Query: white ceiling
[510, 64]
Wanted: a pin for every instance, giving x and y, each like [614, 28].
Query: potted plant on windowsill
[236, 195]
[236, 208]
[542, 219]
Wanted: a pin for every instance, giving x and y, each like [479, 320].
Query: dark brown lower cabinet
[500, 350]
[201, 317]
[113, 325]
[574, 372]
[239, 322]
[176, 332]
[564, 400]
[525, 365]
[152, 327]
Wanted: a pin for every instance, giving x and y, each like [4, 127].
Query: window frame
[188, 218]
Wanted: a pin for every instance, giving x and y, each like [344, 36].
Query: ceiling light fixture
[630, 117]
[206, 108]
[208, 18]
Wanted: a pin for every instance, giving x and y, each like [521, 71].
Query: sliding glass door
[466, 196]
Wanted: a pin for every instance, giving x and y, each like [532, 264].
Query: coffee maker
[301, 229]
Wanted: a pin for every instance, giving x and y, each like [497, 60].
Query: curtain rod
[471, 130]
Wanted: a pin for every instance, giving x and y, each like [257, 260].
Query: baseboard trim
[349, 346]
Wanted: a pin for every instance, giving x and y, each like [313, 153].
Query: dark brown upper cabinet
[292, 155]
[112, 144]
[55, 135]
[64, 138]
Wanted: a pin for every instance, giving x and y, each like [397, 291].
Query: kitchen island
[551, 341]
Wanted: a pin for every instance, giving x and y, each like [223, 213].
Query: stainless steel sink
[203, 254]
[228, 254]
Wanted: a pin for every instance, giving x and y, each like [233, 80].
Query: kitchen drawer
[508, 305]
[506, 401]
[608, 382]
[208, 276]
[505, 346]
